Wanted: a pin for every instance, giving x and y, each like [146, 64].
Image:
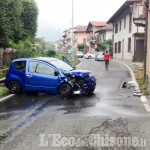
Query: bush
[51, 53]
[81, 46]
[3, 91]
[24, 53]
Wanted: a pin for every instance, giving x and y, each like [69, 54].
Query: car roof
[47, 59]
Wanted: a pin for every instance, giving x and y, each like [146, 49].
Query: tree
[81, 46]
[10, 21]
[29, 18]
[24, 49]
[51, 52]
[106, 44]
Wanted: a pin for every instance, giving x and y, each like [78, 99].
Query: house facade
[80, 37]
[105, 33]
[92, 29]
[148, 45]
[128, 39]
[68, 39]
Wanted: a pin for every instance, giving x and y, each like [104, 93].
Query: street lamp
[72, 28]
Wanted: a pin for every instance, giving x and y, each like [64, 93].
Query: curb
[6, 97]
[79, 64]
[131, 73]
[143, 98]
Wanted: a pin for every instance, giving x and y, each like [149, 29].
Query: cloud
[55, 15]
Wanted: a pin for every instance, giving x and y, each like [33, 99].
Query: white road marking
[147, 107]
[6, 97]
[143, 99]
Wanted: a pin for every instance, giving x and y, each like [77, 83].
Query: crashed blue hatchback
[48, 75]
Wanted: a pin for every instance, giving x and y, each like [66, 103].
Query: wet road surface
[111, 111]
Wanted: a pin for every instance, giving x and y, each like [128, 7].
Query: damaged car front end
[81, 82]
[72, 81]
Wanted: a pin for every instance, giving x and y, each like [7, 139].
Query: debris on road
[137, 93]
[129, 84]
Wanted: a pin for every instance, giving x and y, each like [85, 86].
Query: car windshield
[64, 67]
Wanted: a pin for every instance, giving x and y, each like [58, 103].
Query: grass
[3, 91]
[142, 83]
[2, 74]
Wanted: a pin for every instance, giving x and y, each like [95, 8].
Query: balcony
[139, 16]
[91, 39]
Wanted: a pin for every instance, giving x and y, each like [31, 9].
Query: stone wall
[6, 55]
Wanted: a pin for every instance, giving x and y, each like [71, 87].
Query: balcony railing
[91, 39]
[139, 15]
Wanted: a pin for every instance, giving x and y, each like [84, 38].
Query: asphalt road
[35, 121]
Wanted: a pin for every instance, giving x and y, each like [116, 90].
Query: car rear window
[20, 65]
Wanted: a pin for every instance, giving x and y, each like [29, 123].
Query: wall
[109, 35]
[123, 35]
[6, 55]
[79, 39]
[148, 53]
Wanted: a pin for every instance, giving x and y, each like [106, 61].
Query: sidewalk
[134, 66]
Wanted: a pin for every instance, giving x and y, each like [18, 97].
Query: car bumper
[90, 83]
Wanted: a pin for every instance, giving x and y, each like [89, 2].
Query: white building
[128, 39]
[106, 33]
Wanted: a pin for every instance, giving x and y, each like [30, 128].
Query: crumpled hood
[81, 73]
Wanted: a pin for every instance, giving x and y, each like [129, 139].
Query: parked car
[99, 56]
[48, 75]
[90, 55]
[79, 54]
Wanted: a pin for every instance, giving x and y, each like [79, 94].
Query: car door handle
[29, 75]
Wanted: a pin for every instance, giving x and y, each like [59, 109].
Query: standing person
[106, 57]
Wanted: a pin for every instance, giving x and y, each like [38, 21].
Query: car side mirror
[56, 73]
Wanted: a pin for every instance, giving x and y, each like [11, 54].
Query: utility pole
[72, 28]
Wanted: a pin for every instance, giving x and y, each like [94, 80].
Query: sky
[55, 15]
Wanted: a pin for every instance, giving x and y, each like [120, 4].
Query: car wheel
[89, 57]
[14, 87]
[65, 90]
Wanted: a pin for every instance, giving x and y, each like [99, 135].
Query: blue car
[48, 75]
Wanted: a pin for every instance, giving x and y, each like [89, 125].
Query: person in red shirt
[106, 58]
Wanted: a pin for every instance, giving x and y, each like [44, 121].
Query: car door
[66, 60]
[41, 77]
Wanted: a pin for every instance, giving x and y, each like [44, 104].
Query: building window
[130, 23]
[124, 22]
[115, 47]
[116, 28]
[119, 47]
[129, 44]
[103, 37]
[120, 25]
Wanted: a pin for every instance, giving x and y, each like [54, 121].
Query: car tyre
[89, 57]
[14, 87]
[65, 90]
